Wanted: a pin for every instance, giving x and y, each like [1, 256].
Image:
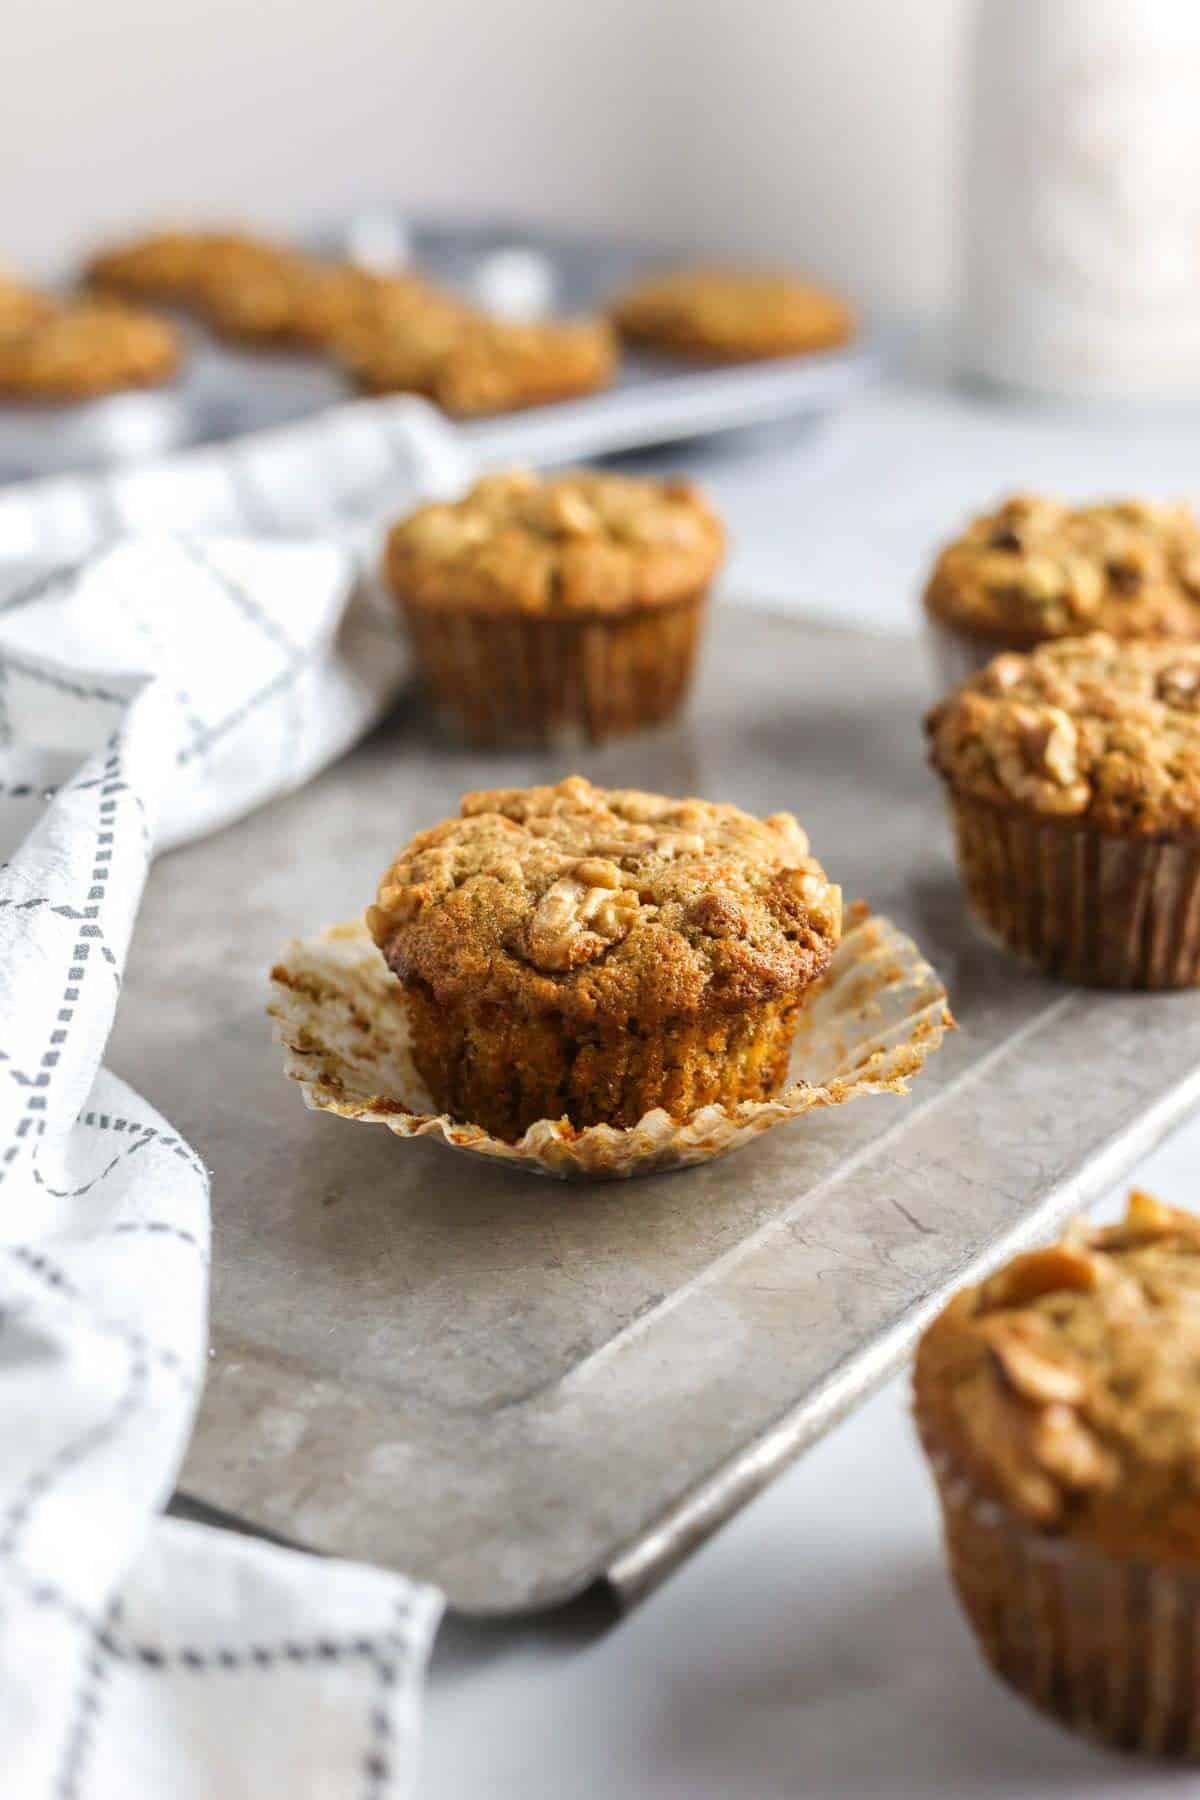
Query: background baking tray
[518, 1389]
[226, 392]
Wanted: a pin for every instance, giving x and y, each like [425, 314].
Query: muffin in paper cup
[1072, 777]
[1036, 569]
[598, 981]
[875, 1017]
[544, 609]
[1059, 1406]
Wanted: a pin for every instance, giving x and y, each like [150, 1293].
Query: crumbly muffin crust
[1067, 1386]
[88, 349]
[613, 904]
[732, 313]
[472, 365]
[22, 306]
[1036, 568]
[1086, 729]
[575, 543]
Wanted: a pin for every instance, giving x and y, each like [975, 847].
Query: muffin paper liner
[879, 1011]
[531, 678]
[1100, 910]
[1109, 1646]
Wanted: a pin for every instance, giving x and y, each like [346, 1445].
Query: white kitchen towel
[153, 686]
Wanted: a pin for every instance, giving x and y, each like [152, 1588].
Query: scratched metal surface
[517, 1389]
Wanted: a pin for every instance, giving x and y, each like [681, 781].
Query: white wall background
[820, 131]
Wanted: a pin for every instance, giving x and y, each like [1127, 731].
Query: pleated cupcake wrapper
[1100, 910]
[340, 1015]
[533, 678]
[1108, 1646]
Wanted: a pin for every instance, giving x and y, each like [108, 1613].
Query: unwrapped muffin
[573, 952]
[1059, 1404]
[1073, 781]
[1037, 569]
[574, 603]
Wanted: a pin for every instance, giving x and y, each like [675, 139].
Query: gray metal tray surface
[518, 1389]
[226, 392]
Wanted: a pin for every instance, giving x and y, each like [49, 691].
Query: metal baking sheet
[518, 1389]
[226, 392]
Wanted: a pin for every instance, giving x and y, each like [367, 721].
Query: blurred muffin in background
[83, 350]
[731, 315]
[1072, 776]
[547, 606]
[1036, 568]
[472, 365]
[172, 267]
[22, 306]
[1059, 1405]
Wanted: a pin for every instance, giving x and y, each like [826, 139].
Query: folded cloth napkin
[155, 683]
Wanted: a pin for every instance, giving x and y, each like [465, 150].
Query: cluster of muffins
[1070, 753]
[394, 332]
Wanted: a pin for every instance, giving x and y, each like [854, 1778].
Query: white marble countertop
[814, 1648]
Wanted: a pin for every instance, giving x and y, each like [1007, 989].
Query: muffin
[173, 267]
[1073, 781]
[85, 350]
[22, 306]
[1059, 1404]
[731, 315]
[1036, 569]
[472, 365]
[539, 606]
[576, 953]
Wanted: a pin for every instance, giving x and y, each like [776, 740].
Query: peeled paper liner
[879, 1011]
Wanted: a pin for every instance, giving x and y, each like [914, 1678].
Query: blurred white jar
[1082, 274]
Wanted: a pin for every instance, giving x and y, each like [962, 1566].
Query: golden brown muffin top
[578, 542]
[1067, 1386]
[1083, 728]
[739, 314]
[1037, 568]
[607, 905]
[473, 365]
[21, 306]
[85, 350]
[175, 265]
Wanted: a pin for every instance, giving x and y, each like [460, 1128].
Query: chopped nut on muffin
[734, 315]
[539, 605]
[591, 954]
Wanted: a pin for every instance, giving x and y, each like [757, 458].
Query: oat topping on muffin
[88, 349]
[577, 542]
[1068, 1384]
[612, 903]
[472, 365]
[1086, 728]
[731, 313]
[1037, 568]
